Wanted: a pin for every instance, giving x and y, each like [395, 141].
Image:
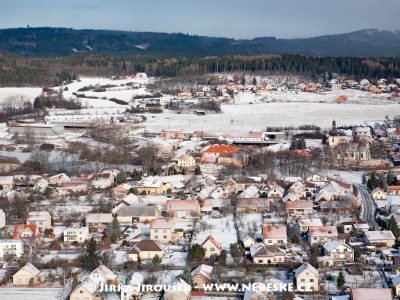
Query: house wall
[199, 280]
[269, 260]
[41, 224]
[210, 249]
[161, 235]
[145, 255]
[83, 294]
[307, 280]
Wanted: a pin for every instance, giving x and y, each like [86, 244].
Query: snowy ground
[30, 93]
[260, 116]
[32, 294]
[223, 231]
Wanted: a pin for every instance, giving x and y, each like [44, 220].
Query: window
[212, 249]
[303, 280]
[311, 280]
[81, 292]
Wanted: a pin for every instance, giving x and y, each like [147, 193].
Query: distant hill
[62, 41]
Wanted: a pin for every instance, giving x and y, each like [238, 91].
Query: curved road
[368, 207]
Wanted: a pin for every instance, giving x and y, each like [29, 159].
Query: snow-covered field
[259, 116]
[30, 93]
[222, 230]
[32, 294]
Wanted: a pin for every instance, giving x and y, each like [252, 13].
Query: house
[104, 275]
[251, 192]
[145, 249]
[201, 275]
[299, 208]
[302, 225]
[393, 190]
[122, 190]
[339, 252]
[98, 222]
[136, 213]
[361, 131]
[41, 219]
[256, 292]
[297, 188]
[321, 234]
[86, 290]
[28, 275]
[216, 150]
[267, 255]
[180, 290]
[371, 294]
[396, 285]
[382, 237]
[101, 181]
[274, 234]
[2, 219]
[182, 208]
[6, 182]
[90, 287]
[11, 248]
[211, 247]
[306, 278]
[248, 242]
[275, 192]
[76, 234]
[23, 231]
[290, 197]
[162, 230]
[186, 161]
[58, 179]
[257, 205]
[378, 194]
[41, 186]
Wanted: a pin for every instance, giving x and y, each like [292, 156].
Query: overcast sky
[233, 18]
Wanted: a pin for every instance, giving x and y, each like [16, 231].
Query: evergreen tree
[121, 177]
[196, 253]
[113, 231]
[392, 226]
[390, 178]
[222, 257]
[75, 282]
[91, 259]
[341, 282]
[156, 260]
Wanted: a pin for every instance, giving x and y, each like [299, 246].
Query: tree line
[17, 70]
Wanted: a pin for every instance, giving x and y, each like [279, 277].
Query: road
[368, 207]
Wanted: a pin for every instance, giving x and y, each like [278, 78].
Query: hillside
[63, 41]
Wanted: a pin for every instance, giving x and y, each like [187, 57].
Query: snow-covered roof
[290, 197]
[37, 215]
[162, 224]
[204, 270]
[99, 218]
[249, 192]
[303, 267]
[274, 232]
[31, 269]
[381, 235]
[309, 222]
[334, 244]
[6, 180]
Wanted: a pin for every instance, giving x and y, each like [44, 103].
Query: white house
[378, 194]
[306, 277]
[41, 219]
[211, 246]
[339, 252]
[14, 248]
[248, 242]
[76, 234]
[2, 219]
[274, 234]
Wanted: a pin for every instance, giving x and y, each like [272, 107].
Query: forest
[16, 70]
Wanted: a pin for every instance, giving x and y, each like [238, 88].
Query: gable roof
[303, 267]
[274, 232]
[379, 235]
[37, 215]
[145, 245]
[212, 240]
[221, 149]
[204, 270]
[309, 222]
[19, 228]
[166, 223]
[299, 205]
[139, 210]
[182, 205]
[334, 244]
[318, 231]
[99, 218]
[261, 250]
[104, 272]
[31, 269]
